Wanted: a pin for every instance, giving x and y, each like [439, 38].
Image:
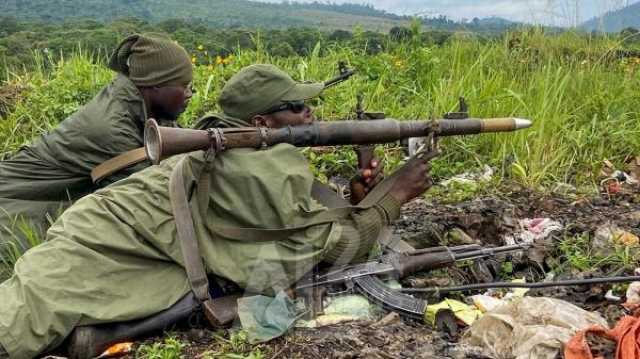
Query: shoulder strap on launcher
[117, 163]
[220, 311]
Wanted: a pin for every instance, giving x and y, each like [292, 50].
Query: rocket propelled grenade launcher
[163, 142]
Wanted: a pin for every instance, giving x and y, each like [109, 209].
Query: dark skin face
[284, 118]
[369, 173]
[166, 102]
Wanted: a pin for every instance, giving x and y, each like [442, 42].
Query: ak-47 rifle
[344, 73]
[365, 277]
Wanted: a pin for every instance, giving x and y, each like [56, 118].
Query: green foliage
[235, 14]
[578, 253]
[53, 41]
[213, 13]
[50, 97]
[170, 348]
[331, 162]
[37, 32]
[18, 239]
[236, 347]
[459, 191]
[582, 101]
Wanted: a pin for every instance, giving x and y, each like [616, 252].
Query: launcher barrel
[162, 142]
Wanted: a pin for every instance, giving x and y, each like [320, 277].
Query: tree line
[19, 40]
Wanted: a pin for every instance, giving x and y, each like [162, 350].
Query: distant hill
[215, 13]
[615, 21]
[231, 14]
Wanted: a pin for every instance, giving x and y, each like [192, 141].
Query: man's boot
[92, 340]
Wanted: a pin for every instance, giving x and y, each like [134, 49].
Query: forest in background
[20, 40]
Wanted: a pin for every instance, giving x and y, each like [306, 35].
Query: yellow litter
[464, 312]
[519, 292]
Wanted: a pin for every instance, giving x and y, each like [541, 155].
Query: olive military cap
[152, 60]
[257, 88]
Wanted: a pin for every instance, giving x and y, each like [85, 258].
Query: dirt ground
[485, 220]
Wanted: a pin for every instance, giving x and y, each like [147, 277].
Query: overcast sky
[558, 12]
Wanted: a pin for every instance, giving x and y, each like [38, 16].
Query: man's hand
[370, 173]
[368, 177]
[413, 178]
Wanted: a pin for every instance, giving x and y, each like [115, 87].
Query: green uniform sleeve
[361, 229]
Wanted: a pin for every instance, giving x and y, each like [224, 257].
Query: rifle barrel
[340, 78]
[488, 252]
[482, 286]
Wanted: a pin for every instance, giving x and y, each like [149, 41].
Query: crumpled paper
[529, 328]
[340, 309]
[536, 232]
[533, 229]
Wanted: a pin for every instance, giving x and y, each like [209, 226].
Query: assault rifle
[366, 279]
[344, 73]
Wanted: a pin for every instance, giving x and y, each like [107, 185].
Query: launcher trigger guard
[429, 149]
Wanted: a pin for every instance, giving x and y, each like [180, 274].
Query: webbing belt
[118, 163]
[220, 311]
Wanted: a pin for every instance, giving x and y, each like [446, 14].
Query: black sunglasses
[294, 106]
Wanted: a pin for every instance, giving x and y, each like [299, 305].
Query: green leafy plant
[170, 348]
[235, 347]
[577, 252]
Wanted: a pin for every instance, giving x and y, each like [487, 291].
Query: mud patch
[10, 93]
[363, 340]
[487, 219]
[399, 339]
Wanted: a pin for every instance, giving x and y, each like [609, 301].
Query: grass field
[582, 97]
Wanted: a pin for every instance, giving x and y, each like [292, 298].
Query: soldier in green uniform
[115, 255]
[153, 79]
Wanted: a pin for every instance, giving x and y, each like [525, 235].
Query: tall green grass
[583, 101]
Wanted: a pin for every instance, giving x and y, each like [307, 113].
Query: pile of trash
[496, 324]
[617, 181]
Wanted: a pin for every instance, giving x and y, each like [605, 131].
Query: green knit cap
[152, 60]
[257, 88]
